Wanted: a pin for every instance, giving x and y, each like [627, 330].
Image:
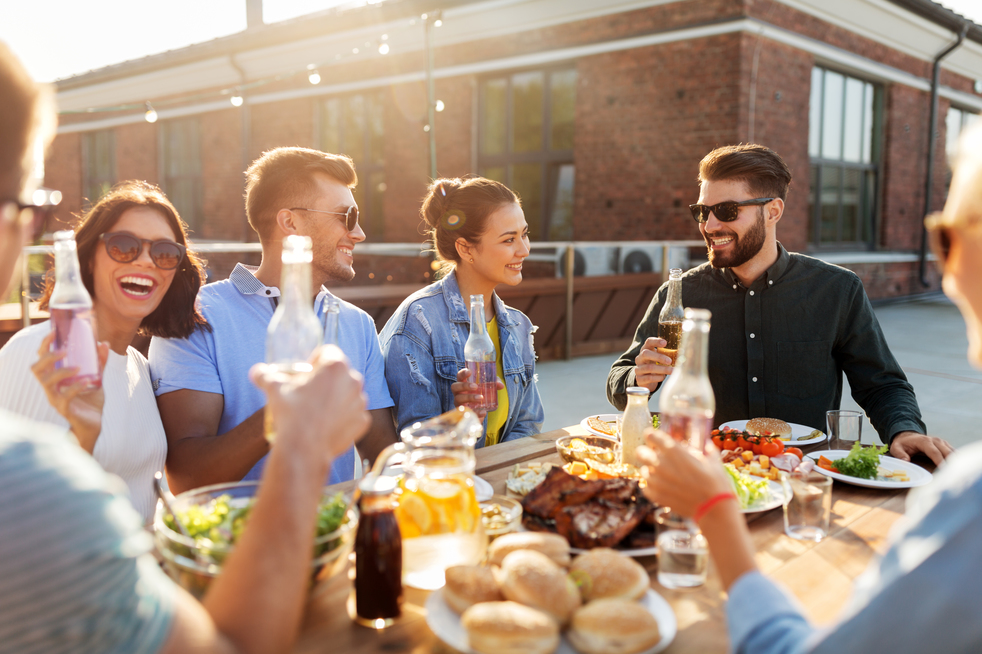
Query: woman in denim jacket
[480, 235]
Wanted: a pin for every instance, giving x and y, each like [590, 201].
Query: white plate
[606, 417]
[918, 475]
[445, 623]
[776, 499]
[796, 431]
[482, 489]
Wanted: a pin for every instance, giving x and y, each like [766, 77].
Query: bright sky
[60, 38]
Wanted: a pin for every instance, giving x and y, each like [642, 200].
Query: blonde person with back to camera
[479, 232]
[923, 593]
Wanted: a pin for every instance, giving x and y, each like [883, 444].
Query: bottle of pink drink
[71, 315]
[481, 358]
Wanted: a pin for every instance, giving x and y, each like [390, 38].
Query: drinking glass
[845, 428]
[683, 552]
[807, 505]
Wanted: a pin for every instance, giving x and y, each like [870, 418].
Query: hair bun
[437, 202]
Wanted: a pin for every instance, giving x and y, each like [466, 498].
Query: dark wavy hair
[760, 168]
[459, 208]
[176, 316]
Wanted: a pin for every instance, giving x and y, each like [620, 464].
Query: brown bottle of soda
[378, 555]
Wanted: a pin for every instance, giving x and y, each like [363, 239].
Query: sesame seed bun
[602, 572]
[468, 585]
[760, 426]
[509, 628]
[552, 545]
[613, 626]
[533, 579]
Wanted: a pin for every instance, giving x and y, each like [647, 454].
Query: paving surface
[926, 335]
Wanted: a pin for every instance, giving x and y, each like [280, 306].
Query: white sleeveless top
[132, 443]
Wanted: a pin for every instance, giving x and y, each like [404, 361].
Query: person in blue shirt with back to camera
[923, 594]
[480, 234]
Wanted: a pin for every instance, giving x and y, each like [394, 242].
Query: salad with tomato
[761, 456]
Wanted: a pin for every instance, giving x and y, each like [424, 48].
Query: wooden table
[820, 575]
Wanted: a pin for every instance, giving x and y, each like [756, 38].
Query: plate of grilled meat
[598, 513]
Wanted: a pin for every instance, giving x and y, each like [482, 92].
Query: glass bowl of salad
[215, 517]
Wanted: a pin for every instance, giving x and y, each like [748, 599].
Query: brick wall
[222, 160]
[63, 171]
[136, 152]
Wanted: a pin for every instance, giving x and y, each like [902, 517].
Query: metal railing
[560, 250]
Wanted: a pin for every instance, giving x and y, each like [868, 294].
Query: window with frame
[98, 164]
[526, 126]
[844, 150]
[956, 121]
[180, 152]
[355, 125]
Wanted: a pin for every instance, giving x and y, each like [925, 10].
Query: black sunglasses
[350, 216]
[45, 203]
[126, 248]
[725, 212]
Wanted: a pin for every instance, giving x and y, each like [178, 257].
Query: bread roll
[533, 579]
[613, 626]
[509, 628]
[760, 427]
[552, 545]
[468, 585]
[602, 572]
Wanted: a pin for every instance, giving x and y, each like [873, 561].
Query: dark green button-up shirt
[778, 348]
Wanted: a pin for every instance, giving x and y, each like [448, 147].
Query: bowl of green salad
[215, 517]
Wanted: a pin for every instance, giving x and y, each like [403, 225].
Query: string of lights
[236, 94]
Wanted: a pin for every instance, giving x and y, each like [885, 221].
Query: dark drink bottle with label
[481, 358]
[71, 315]
[378, 555]
[671, 316]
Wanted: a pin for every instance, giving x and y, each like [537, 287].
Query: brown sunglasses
[940, 231]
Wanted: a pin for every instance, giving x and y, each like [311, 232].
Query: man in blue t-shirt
[212, 414]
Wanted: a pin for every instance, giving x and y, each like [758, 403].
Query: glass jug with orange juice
[437, 510]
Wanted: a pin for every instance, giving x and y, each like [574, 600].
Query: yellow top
[498, 417]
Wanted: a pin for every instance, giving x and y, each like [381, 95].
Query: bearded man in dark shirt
[785, 326]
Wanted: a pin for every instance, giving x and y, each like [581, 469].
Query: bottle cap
[377, 485]
[638, 390]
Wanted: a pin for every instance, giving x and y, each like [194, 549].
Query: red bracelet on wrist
[704, 508]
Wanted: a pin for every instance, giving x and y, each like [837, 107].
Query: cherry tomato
[729, 444]
[779, 442]
[756, 444]
[717, 439]
[770, 448]
[742, 441]
[794, 450]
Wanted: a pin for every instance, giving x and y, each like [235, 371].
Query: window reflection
[526, 134]
[842, 144]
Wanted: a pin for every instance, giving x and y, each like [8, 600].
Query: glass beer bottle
[671, 316]
[71, 315]
[480, 357]
[332, 316]
[294, 331]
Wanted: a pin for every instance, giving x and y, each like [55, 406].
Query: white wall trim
[824, 53]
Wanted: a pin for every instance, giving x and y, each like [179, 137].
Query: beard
[744, 247]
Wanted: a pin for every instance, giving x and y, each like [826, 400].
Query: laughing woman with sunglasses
[135, 263]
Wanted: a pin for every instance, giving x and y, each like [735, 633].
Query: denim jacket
[423, 347]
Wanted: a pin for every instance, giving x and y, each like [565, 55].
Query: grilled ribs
[557, 490]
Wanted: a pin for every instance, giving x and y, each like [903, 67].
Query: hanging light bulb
[354, 50]
[426, 128]
[151, 115]
[439, 106]
[437, 23]
[385, 37]
[314, 77]
[236, 100]
[383, 49]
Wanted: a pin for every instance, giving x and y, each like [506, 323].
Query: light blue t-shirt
[76, 574]
[239, 310]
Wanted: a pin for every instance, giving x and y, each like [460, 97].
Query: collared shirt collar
[770, 276]
[244, 279]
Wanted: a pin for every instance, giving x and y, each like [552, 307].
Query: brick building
[596, 111]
